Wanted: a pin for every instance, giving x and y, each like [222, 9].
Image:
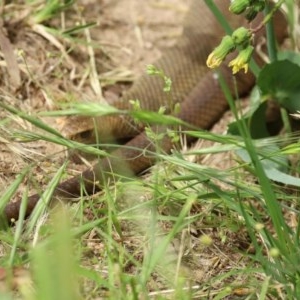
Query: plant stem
[271, 40]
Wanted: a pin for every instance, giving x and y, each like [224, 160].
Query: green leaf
[84, 109]
[289, 55]
[269, 156]
[281, 80]
[281, 177]
[256, 122]
[79, 28]
[275, 165]
[151, 117]
[255, 117]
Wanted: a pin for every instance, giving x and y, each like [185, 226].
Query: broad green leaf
[274, 165]
[256, 122]
[281, 81]
[290, 55]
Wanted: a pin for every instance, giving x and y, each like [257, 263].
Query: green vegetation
[186, 230]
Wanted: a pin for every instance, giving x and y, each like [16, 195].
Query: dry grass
[50, 67]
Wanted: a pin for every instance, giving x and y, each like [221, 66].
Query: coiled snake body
[194, 86]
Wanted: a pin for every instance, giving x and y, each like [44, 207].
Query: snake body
[194, 86]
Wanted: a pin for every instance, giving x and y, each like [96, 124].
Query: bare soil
[126, 35]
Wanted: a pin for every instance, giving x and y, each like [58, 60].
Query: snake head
[79, 129]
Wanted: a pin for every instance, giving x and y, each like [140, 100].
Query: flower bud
[254, 10]
[241, 36]
[239, 6]
[219, 53]
[274, 252]
[242, 60]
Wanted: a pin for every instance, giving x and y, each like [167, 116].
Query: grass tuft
[216, 228]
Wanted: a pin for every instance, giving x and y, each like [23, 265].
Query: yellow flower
[242, 60]
[213, 61]
[219, 53]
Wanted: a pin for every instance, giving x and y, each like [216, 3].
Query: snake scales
[194, 86]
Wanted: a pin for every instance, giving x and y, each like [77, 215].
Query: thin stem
[271, 39]
[272, 49]
[219, 16]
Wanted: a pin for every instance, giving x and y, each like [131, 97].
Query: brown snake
[194, 86]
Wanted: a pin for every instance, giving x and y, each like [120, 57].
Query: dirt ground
[126, 35]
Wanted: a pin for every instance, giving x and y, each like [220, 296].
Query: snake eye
[85, 135]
